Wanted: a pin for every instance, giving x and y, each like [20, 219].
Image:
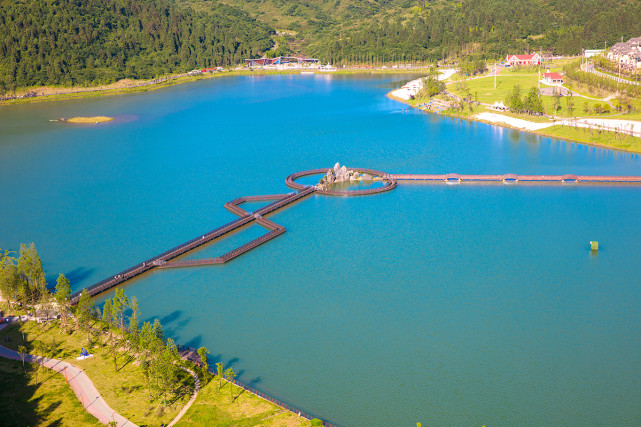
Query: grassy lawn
[213, 408]
[484, 86]
[42, 400]
[630, 116]
[505, 81]
[603, 138]
[125, 390]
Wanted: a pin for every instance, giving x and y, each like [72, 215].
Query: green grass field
[213, 408]
[42, 399]
[594, 137]
[124, 389]
[484, 89]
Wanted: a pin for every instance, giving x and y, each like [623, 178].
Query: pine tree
[63, 295]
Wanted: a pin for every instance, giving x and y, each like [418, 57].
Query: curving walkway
[79, 382]
[388, 180]
[193, 397]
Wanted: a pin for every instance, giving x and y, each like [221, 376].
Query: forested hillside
[100, 41]
[393, 30]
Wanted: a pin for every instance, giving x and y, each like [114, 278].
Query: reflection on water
[355, 185]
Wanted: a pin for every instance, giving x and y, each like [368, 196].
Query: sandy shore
[631, 127]
[627, 126]
[511, 121]
[409, 90]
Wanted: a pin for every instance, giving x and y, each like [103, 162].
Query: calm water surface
[444, 304]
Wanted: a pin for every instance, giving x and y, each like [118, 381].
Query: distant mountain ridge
[65, 42]
[396, 30]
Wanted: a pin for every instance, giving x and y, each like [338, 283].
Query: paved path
[193, 398]
[80, 384]
[590, 69]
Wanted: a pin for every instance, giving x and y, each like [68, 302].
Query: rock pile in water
[341, 174]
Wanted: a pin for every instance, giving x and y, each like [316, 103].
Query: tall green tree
[533, 103]
[569, 100]
[9, 278]
[148, 344]
[134, 327]
[166, 369]
[202, 352]
[107, 317]
[82, 312]
[514, 101]
[63, 297]
[22, 351]
[556, 100]
[230, 375]
[119, 306]
[219, 371]
[32, 274]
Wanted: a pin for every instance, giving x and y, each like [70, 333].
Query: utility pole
[495, 71]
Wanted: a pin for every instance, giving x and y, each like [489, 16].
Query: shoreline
[145, 86]
[504, 123]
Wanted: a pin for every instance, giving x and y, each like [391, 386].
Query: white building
[627, 54]
[589, 53]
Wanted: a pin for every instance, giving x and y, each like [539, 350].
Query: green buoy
[594, 245]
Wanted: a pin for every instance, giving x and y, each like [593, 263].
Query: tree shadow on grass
[242, 390]
[185, 387]
[19, 407]
[129, 360]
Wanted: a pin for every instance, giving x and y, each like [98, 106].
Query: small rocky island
[92, 120]
[342, 174]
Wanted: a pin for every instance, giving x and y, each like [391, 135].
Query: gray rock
[330, 177]
[366, 177]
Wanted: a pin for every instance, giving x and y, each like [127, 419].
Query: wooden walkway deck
[163, 260]
[453, 177]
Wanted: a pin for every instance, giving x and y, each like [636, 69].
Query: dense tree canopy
[444, 28]
[64, 42]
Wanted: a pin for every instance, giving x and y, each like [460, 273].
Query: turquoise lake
[442, 304]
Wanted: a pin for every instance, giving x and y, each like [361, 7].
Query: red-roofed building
[515, 60]
[552, 78]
